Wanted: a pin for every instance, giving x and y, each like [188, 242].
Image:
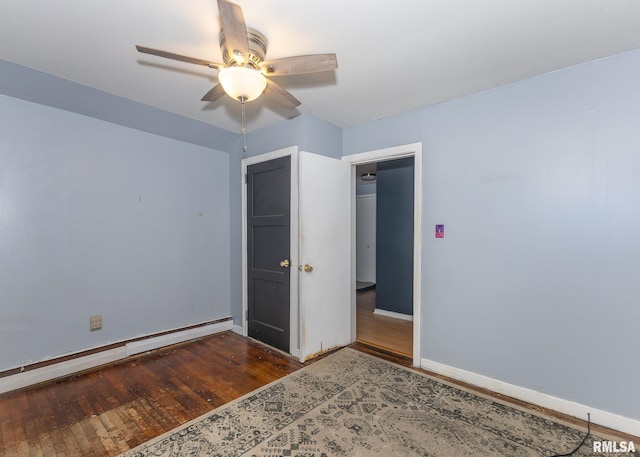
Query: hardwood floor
[113, 409]
[387, 333]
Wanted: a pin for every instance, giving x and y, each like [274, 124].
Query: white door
[324, 209]
[366, 238]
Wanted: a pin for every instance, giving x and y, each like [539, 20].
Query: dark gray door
[268, 233]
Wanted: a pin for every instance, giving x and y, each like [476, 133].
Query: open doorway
[384, 254]
[375, 158]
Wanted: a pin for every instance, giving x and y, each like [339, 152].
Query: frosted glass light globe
[242, 82]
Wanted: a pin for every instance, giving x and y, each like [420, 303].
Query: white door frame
[408, 150]
[294, 343]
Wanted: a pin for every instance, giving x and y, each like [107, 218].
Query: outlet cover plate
[95, 322]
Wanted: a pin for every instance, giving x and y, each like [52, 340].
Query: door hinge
[245, 178]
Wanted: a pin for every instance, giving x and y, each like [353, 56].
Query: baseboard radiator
[61, 367]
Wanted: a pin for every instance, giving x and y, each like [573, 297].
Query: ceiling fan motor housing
[257, 50]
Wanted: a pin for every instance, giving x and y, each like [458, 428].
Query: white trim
[365, 273]
[605, 418]
[353, 253]
[382, 155]
[294, 253]
[384, 312]
[291, 151]
[417, 252]
[68, 367]
[396, 152]
[269, 156]
[149, 344]
[238, 329]
[32, 377]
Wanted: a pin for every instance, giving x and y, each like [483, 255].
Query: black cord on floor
[581, 442]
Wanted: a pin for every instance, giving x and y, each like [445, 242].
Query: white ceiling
[393, 56]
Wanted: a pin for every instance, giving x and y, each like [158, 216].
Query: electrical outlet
[95, 322]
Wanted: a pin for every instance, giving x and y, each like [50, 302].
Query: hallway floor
[388, 333]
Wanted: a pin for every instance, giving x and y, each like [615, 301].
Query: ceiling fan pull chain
[243, 128]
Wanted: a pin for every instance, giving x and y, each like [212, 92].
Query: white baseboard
[68, 367]
[150, 344]
[605, 418]
[29, 378]
[384, 312]
[238, 329]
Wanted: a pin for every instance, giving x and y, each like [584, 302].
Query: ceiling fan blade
[279, 95]
[234, 28]
[300, 65]
[171, 55]
[214, 94]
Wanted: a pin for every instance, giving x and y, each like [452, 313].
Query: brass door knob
[307, 268]
[285, 263]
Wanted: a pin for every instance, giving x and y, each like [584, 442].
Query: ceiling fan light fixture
[368, 176]
[242, 82]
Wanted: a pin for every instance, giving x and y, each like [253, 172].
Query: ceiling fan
[243, 75]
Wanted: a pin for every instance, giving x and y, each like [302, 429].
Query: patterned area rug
[351, 404]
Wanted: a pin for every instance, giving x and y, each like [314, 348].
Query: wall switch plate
[95, 322]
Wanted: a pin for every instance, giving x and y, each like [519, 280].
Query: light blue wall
[235, 231]
[96, 218]
[45, 89]
[305, 131]
[18, 82]
[536, 281]
[385, 133]
[322, 137]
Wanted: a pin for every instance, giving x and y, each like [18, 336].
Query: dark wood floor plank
[28, 421]
[20, 406]
[71, 444]
[7, 440]
[52, 439]
[49, 410]
[123, 428]
[81, 438]
[139, 432]
[107, 440]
